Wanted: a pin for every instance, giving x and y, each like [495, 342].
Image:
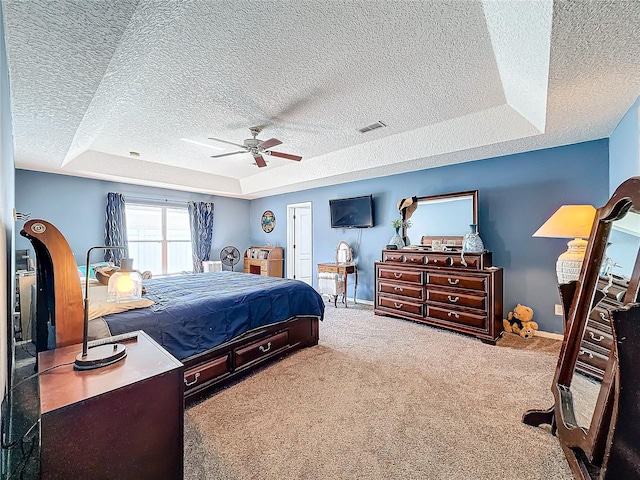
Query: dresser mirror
[344, 253]
[585, 384]
[447, 215]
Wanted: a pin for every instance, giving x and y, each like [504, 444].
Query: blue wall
[517, 193]
[624, 154]
[76, 206]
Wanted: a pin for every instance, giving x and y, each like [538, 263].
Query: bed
[219, 324]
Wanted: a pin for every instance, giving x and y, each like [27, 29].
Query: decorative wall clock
[268, 221]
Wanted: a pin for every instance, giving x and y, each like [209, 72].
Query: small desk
[343, 269]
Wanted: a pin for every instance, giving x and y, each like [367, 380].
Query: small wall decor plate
[268, 221]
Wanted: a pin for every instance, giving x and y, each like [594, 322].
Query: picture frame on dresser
[435, 282]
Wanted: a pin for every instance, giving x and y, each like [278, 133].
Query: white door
[300, 242]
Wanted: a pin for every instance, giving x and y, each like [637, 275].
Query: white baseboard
[554, 336]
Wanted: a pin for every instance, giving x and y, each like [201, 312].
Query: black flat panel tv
[355, 212]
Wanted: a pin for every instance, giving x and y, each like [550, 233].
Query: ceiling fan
[257, 148]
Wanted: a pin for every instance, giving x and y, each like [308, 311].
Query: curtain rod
[157, 200]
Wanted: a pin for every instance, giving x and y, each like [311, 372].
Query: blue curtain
[115, 229]
[201, 221]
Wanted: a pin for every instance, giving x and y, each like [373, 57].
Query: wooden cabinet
[445, 289]
[123, 421]
[267, 261]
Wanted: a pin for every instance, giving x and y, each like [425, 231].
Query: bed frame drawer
[261, 349]
[203, 373]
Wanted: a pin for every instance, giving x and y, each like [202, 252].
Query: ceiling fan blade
[225, 141]
[272, 142]
[260, 161]
[288, 156]
[227, 154]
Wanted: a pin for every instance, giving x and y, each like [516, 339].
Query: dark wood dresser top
[63, 386]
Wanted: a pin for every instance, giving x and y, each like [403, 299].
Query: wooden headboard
[59, 299]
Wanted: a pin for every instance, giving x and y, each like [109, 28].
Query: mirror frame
[471, 193]
[592, 442]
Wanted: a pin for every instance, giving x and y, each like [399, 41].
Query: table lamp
[123, 286]
[569, 221]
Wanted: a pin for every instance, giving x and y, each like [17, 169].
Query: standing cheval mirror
[596, 387]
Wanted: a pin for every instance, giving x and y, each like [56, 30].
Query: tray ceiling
[452, 81]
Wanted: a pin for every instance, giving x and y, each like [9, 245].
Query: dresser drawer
[602, 341]
[205, 372]
[411, 276]
[460, 299]
[400, 289]
[414, 258]
[400, 305]
[436, 260]
[600, 315]
[261, 349]
[393, 257]
[592, 359]
[457, 316]
[460, 281]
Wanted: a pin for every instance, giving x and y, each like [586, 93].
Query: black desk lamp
[102, 355]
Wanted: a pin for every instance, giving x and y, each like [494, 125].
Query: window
[159, 238]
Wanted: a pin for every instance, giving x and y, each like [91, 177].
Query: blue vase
[397, 239]
[471, 242]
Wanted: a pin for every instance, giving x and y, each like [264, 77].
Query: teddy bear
[520, 321]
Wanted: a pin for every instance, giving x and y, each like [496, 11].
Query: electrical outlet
[558, 309]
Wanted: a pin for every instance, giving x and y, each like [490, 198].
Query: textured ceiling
[454, 81]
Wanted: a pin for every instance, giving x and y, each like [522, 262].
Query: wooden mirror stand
[596, 414]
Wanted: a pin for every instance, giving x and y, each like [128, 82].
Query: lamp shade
[569, 221]
[125, 285]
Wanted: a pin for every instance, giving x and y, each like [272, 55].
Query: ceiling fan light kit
[257, 148]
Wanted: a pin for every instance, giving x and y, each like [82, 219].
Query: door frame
[290, 250]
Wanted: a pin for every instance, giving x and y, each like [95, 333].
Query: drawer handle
[603, 317]
[584, 352]
[195, 380]
[397, 305]
[453, 300]
[453, 314]
[449, 261]
[264, 349]
[398, 289]
[453, 282]
[593, 337]
[397, 275]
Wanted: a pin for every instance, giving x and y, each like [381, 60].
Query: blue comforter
[193, 313]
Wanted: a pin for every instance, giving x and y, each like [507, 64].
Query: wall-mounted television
[354, 212]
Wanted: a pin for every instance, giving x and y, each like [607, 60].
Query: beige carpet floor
[383, 398]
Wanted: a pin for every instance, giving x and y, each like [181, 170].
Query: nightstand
[123, 421]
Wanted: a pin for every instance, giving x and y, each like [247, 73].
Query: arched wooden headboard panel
[59, 292]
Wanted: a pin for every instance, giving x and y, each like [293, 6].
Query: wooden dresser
[597, 341]
[442, 289]
[266, 261]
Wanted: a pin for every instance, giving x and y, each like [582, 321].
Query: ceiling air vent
[373, 126]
